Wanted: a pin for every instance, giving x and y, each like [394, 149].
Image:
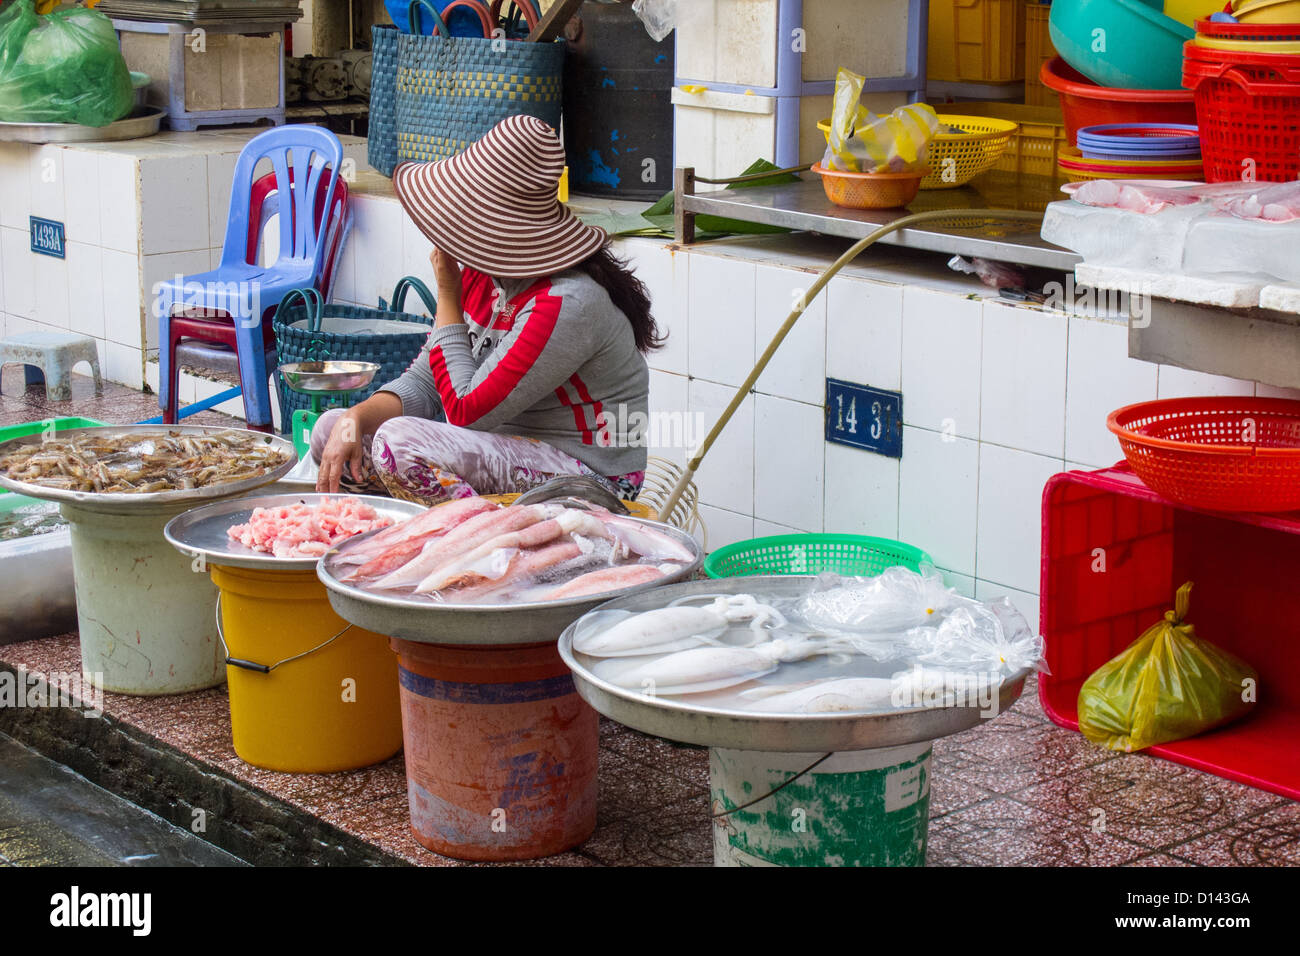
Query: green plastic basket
[848, 554]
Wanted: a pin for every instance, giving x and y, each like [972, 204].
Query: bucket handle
[266, 668]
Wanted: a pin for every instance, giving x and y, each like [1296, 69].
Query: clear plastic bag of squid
[979, 638]
[905, 614]
[896, 599]
[1167, 685]
[862, 142]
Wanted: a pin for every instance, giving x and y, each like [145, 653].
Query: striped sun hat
[495, 206]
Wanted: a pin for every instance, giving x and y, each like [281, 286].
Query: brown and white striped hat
[495, 206]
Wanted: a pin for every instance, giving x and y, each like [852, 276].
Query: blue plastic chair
[300, 157]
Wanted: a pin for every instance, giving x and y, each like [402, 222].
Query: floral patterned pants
[415, 459]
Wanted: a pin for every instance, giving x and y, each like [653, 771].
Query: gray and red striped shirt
[551, 359]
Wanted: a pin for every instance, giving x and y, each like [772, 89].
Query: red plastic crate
[1245, 567]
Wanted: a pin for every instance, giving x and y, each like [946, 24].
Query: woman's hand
[446, 274]
[341, 450]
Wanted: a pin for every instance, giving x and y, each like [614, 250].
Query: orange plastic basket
[870, 190]
[1221, 454]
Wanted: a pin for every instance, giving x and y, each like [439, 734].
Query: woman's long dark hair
[627, 292]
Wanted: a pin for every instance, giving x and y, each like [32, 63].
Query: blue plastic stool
[49, 357]
[244, 291]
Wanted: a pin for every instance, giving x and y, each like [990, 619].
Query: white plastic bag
[894, 600]
[979, 638]
[659, 16]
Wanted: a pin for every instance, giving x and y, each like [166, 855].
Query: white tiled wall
[134, 213]
[996, 399]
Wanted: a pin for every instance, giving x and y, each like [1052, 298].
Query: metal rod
[195, 407]
[753, 176]
[1012, 215]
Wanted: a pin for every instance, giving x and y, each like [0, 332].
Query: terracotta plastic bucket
[500, 750]
[299, 701]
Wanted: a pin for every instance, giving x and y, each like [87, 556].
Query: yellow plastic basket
[956, 158]
[1035, 147]
[1038, 50]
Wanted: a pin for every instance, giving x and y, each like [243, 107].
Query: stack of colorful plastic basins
[1119, 61]
[1165, 151]
[1246, 81]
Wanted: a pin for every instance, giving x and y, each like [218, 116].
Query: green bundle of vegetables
[63, 67]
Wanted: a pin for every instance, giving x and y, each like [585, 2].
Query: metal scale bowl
[144, 614]
[866, 803]
[321, 381]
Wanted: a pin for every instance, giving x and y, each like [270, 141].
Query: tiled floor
[1016, 791]
[115, 404]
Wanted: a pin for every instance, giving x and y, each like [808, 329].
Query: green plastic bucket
[858, 808]
[849, 554]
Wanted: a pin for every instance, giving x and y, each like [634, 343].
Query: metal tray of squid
[126, 503]
[202, 530]
[714, 726]
[430, 622]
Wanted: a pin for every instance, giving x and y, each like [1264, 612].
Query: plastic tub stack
[1120, 62]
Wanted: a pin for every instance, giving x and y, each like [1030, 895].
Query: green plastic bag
[63, 67]
[1167, 685]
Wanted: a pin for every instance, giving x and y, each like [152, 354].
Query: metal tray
[427, 622]
[202, 531]
[778, 733]
[127, 504]
[140, 123]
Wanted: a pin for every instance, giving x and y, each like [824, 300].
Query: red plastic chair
[218, 331]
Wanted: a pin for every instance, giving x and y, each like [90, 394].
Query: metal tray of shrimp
[128, 503]
[428, 621]
[717, 726]
[202, 531]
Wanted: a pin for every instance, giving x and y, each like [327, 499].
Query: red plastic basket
[1267, 32]
[1248, 112]
[1222, 454]
[1114, 553]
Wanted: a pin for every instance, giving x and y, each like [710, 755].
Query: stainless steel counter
[804, 206]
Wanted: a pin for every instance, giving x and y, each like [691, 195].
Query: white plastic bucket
[146, 614]
[858, 808]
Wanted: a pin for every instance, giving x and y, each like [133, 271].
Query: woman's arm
[551, 338]
[344, 445]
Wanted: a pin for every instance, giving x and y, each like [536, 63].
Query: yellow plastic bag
[862, 142]
[1167, 685]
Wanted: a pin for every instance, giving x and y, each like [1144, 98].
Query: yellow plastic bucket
[303, 700]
